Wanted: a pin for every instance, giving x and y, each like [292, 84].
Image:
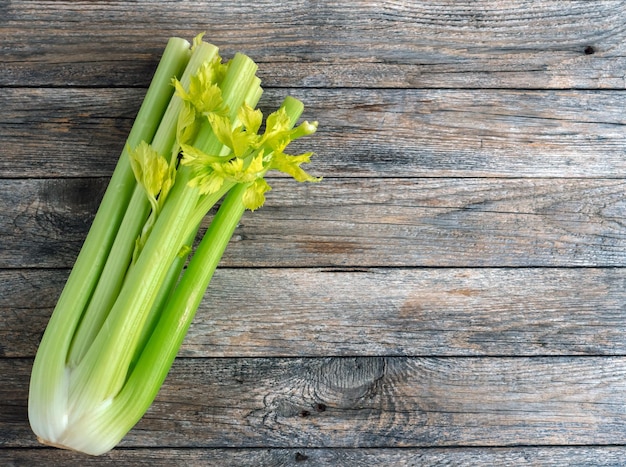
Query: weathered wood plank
[399, 305]
[298, 457]
[539, 44]
[62, 133]
[371, 312]
[366, 402]
[360, 222]
[372, 133]
[437, 222]
[51, 217]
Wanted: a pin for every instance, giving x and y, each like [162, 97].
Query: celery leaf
[254, 196]
[150, 169]
[290, 165]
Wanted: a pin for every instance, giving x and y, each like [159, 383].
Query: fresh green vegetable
[198, 141]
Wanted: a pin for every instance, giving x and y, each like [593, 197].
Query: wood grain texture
[366, 402]
[371, 312]
[381, 222]
[362, 133]
[528, 44]
[298, 457]
[453, 293]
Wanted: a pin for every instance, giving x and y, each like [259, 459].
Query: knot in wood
[343, 382]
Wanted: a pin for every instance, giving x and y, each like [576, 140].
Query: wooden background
[452, 293]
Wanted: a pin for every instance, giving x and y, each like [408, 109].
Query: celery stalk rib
[131, 225]
[110, 355]
[130, 300]
[47, 398]
[169, 333]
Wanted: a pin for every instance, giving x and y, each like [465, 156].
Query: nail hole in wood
[301, 457]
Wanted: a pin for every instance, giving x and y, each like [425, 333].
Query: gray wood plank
[366, 402]
[50, 218]
[451, 294]
[370, 312]
[367, 133]
[277, 457]
[360, 223]
[538, 44]
[437, 222]
[56, 132]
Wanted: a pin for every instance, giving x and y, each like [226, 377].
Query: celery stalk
[112, 351]
[47, 400]
[131, 225]
[103, 359]
[204, 205]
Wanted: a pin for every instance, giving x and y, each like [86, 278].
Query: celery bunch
[197, 141]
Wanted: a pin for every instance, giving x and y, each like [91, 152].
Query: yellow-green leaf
[187, 127]
[250, 118]
[291, 166]
[149, 167]
[197, 40]
[195, 157]
[207, 182]
[254, 196]
[236, 139]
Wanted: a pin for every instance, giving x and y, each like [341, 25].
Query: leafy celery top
[133, 291]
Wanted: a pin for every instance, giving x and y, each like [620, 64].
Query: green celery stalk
[102, 361]
[204, 205]
[110, 355]
[113, 273]
[47, 399]
[180, 310]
